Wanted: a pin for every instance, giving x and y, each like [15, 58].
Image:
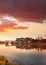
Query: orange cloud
[14, 28]
[19, 27]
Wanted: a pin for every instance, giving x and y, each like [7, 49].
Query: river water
[26, 57]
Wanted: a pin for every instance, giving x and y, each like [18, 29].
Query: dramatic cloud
[9, 22]
[29, 10]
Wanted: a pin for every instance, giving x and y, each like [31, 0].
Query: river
[27, 57]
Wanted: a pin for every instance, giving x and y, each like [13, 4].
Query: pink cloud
[10, 23]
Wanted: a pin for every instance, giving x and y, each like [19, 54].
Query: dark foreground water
[23, 56]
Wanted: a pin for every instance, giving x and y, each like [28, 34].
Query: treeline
[29, 43]
[26, 43]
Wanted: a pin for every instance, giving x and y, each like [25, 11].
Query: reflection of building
[6, 43]
[13, 43]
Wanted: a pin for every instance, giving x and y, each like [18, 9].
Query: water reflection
[26, 57]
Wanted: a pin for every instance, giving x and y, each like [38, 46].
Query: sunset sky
[22, 18]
